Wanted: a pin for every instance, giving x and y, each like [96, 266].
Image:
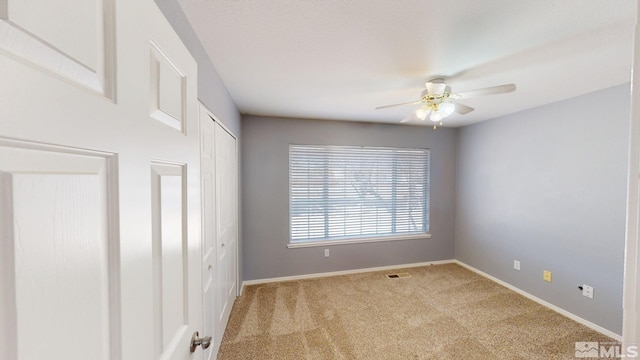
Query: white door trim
[631, 320]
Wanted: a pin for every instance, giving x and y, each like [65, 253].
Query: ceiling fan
[438, 99]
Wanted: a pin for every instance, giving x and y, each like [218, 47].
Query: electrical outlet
[516, 264]
[326, 252]
[547, 275]
[587, 291]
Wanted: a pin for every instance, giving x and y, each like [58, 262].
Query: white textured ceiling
[339, 59]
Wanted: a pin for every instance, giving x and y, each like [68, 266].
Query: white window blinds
[344, 192]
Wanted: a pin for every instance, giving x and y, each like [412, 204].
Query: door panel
[170, 257]
[66, 196]
[98, 252]
[167, 89]
[87, 58]
[209, 264]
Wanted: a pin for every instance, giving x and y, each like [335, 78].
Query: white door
[99, 183]
[226, 224]
[209, 263]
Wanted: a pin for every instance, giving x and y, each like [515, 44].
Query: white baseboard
[342, 272]
[563, 312]
[571, 316]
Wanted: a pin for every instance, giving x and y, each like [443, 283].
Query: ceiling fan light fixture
[436, 116]
[422, 113]
[447, 108]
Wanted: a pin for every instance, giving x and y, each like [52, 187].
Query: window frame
[363, 238]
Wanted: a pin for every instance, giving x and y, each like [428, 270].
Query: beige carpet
[440, 312]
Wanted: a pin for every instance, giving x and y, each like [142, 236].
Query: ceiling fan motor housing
[436, 88]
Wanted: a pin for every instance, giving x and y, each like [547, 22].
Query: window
[350, 194]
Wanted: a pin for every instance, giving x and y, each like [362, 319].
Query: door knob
[196, 340]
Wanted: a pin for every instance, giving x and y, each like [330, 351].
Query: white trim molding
[544, 303]
[631, 290]
[342, 272]
[560, 311]
[359, 240]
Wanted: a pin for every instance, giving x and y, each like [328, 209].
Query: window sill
[357, 240]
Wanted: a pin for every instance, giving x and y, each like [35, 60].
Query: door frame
[630, 305]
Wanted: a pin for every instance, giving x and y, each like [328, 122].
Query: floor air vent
[398, 275]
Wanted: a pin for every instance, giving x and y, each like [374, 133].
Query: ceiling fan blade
[463, 109]
[500, 89]
[402, 104]
[408, 118]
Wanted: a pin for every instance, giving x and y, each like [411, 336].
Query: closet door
[220, 226]
[99, 183]
[226, 201]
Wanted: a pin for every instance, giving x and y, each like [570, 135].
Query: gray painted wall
[265, 169]
[547, 187]
[211, 90]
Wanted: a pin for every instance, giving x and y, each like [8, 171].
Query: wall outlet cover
[547, 275]
[587, 291]
[516, 264]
